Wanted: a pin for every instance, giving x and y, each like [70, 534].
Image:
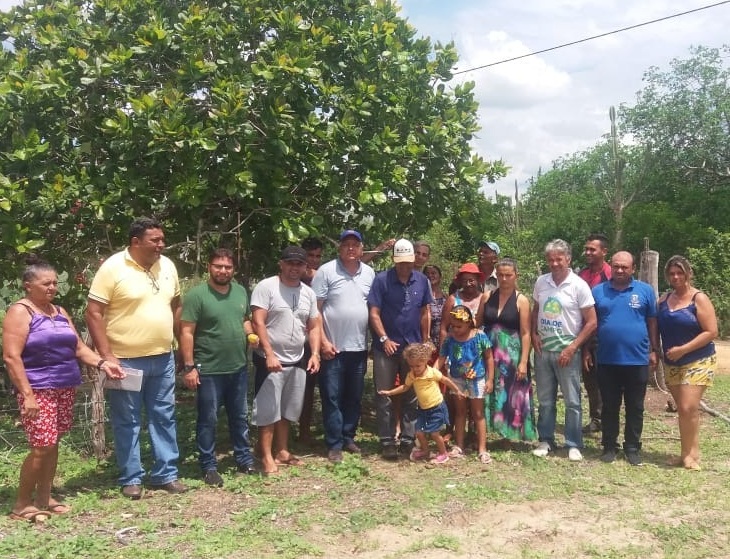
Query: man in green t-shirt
[213, 334]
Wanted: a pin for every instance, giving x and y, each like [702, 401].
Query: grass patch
[519, 506]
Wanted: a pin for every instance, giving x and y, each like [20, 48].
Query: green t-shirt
[220, 342]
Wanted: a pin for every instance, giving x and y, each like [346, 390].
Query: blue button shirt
[400, 306]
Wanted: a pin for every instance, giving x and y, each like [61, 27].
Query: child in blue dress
[471, 367]
[433, 415]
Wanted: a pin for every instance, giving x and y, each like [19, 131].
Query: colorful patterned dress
[509, 409]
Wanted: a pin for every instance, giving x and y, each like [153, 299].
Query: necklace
[49, 312]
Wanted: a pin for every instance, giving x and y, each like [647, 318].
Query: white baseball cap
[403, 251]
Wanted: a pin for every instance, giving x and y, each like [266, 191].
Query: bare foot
[269, 467]
[675, 461]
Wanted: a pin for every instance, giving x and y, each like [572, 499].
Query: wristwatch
[187, 368]
[383, 338]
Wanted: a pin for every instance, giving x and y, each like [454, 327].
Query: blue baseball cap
[350, 233]
[490, 245]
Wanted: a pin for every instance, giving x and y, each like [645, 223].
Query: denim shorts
[433, 419]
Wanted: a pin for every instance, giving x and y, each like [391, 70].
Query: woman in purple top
[687, 326]
[40, 349]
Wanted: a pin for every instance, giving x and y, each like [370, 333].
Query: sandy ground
[723, 356]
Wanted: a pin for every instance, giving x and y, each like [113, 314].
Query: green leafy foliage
[711, 264]
[245, 123]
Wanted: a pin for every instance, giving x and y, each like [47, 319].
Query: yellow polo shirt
[427, 388]
[138, 315]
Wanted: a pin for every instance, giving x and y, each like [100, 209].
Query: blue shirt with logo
[623, 335]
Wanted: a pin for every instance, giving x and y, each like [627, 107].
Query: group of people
[310, 324]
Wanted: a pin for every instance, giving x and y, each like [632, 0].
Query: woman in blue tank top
[687, 326]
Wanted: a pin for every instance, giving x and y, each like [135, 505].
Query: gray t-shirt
[345, 307]
[288, 311]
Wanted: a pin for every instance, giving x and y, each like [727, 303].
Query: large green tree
[682, 117]
[248, 122]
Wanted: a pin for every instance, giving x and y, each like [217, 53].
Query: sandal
[291, 461]
[58, 508]
[485, 458]
[456, 452]
[34, 516]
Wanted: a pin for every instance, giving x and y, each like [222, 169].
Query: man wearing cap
[487, 256]
[399, 315]
[342, 286]
[284, 310]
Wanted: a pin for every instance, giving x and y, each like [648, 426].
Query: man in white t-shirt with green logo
[563, 319]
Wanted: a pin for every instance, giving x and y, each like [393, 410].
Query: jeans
[229, 391]
[626, 382]
[125, 411]
[548, 376]
[385, 369]
[341, 384]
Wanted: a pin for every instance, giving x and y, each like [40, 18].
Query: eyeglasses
[153, 281]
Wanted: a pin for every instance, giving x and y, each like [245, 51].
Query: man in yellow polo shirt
[134, 301]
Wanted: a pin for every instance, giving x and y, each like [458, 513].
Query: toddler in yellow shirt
[433, 415]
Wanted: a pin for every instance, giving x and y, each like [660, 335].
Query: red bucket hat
[470, 268]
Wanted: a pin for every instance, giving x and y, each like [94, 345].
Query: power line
[591, 38]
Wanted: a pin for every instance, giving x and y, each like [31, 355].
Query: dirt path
[723, 356]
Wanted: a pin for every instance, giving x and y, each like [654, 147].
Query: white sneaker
[542, 449]
[574, 455]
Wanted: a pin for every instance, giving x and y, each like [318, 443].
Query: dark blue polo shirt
[400, 306]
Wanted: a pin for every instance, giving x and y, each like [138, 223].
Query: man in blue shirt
[627, 339]
[399, 315]
[342, 286]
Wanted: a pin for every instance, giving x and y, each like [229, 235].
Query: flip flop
[33, 516]
[291, 461]
[58, 508]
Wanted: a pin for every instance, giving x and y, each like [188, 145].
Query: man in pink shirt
[597, 271]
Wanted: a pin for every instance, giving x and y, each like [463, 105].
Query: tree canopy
[250, 123]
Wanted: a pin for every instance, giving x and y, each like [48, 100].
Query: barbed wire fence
[88, 428]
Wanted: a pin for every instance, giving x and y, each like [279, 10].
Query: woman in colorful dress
[687, 326]
[505, 315]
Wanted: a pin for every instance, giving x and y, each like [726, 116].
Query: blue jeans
[385, 368]
[125, 411]
[229, 391]
[548, 376]
[341, 384]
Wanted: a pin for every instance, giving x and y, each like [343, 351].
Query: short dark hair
[600, 237]
[422, 244]
[33, 265]
[220, 252]
[140, 225]
[311, 243]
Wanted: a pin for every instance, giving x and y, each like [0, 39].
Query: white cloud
[540, 108]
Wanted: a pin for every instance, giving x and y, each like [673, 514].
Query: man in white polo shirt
[563, 319]
[342, 286]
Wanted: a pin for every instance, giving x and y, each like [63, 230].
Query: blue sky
[535, 110]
